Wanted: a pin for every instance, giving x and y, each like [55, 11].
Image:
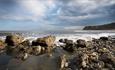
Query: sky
[44, 15]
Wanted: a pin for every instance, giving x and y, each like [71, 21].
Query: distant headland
[110, 26]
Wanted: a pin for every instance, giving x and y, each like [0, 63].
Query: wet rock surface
[43, 54]
[81, 43]
[98, 54]
[45, 41]
[13, 40]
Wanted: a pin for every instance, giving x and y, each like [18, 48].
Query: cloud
[55, 14]
[18, 18]
[36, 7]
[79, 18]
[73, 27]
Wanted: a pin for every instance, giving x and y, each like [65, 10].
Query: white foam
[86, 37]
[73, 37]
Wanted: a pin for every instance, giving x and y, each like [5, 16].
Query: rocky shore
[97, 54]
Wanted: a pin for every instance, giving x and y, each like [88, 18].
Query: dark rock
[34, 43]
[69, 45]
[81, 43]
[13, 40]
[104, 38]
[69, 48]
[62, 41]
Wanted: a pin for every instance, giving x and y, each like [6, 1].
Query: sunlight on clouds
[73, 27]
[35, 7]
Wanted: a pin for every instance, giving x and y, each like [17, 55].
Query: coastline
[67, 47]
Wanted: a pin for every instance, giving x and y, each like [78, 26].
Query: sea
[8, 63]
[74, 35]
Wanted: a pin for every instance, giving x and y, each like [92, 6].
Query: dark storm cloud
[6, 6]
[7, 3]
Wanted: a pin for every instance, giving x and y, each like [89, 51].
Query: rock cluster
[98, 54]
[19, 48]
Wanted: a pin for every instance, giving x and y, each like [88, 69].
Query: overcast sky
[54, 14]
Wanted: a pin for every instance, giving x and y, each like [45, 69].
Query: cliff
[110, 26]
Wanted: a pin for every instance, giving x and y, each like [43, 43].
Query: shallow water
[4, 60]
[41, 62]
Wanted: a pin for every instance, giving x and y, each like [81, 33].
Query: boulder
[2, 45]
[13, 40]
[34, 43]
[69, 45]
[69, 48]
[81, 43]
[45, 41]
[104, 38]
[61, 40]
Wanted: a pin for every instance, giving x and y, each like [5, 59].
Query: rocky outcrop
[101, 27]
[81, 43]
[13, 40]
[21, 49]
[97, 54]
[45, 41]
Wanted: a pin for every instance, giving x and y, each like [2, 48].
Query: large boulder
[13, 40]
[81, 43]
[45, 41]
